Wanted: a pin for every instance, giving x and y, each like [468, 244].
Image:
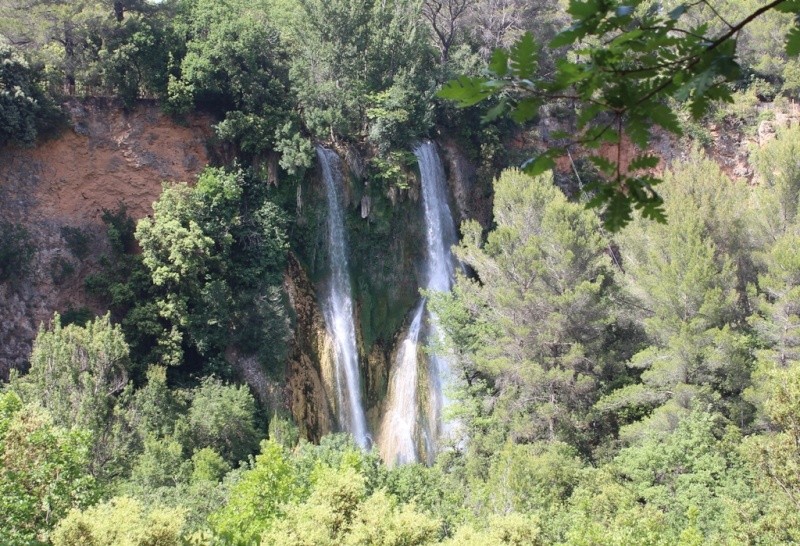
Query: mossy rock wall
[385, 228]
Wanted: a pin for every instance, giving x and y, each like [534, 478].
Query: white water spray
[338, 307]
[440, 237]
[440, 231]
[401, 422]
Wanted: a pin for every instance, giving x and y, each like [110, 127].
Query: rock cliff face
[472, 199]
[108, 157]
[309, 393]
[105, 158]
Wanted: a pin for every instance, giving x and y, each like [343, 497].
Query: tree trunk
[69, 64]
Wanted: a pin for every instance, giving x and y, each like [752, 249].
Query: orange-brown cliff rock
[107, 157]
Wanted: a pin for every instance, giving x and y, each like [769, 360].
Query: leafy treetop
[631, 60]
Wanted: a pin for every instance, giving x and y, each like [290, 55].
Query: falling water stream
[413, 424]
[338, 306]
[400, 422]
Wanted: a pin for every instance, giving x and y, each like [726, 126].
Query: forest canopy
[623, 335]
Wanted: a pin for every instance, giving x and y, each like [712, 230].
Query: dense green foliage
[96, 47]
[637, 387]
[79, 375]
[544, 285]
[272, 72]
[43, 472]
[359, 68]
[696, 310]
[611, 392]
[120, 521]
[631, 60]
[25, 109]
[208, 277]
[125, 288]
[236, 67]
[215, 253]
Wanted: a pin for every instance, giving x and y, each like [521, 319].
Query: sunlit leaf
[523, 57]
[466, 90]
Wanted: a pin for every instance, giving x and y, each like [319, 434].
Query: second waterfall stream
[413, 422]
[338, 307]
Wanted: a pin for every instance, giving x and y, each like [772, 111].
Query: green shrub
[77, 240]
[223, 417]
[121, 520]
[79, 374]
[79, 316]
[43, 474]
[124, 287]
[25, 110]
[16, 251]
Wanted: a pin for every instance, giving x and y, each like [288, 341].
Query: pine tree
[80, 375]
[688, 281]
[537, 315]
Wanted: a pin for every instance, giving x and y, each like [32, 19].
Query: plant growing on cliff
[393, 168]
[216, 254]
[77, 240]
[16, 251]
[123, 285]
[25, 109]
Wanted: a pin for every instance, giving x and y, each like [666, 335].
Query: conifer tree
[538, 313]
[80, 375]
[687, 279]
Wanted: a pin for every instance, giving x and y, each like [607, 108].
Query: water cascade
[407, 432]
[400, 423]
[338, 307]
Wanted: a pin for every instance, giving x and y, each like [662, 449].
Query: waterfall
[400, 423]
[440, 230]
[338, 307]
[403, 431]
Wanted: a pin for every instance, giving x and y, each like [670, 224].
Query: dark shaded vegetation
[16, 251]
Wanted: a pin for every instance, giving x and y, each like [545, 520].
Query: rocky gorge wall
[107, 157]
